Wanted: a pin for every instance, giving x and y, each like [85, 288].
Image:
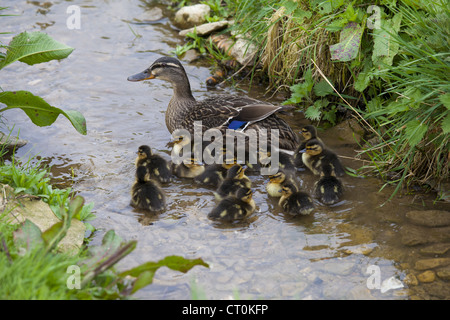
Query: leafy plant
[32, 48]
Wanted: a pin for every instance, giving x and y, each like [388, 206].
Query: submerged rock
[429, 218]
[11, 143]
[190, 16]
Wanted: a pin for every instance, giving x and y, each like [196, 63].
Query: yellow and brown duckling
[295, 202]
[328, 189]
[145, 193]
[276, 183]
[308, 132]
[188, 168]
[317, 157]
[235, 207]
[157, 166]
[285, 161]
[213, 174]
[234, 180]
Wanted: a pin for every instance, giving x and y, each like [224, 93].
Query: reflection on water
[272, 255]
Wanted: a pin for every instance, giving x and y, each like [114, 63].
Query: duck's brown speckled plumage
[215, 111]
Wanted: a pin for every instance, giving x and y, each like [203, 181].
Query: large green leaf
[39, 111]
[145, 272]
[384, 45]
[348, 47]
[34, 47]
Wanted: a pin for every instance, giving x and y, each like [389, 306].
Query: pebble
[427, 276]
[431, 263]
[444, 273]
[429, 218]
[437, 248]
[411, 280]
[205, 29]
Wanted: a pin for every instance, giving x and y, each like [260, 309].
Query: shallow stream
[336, 253]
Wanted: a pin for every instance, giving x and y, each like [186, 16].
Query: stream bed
[364, 247]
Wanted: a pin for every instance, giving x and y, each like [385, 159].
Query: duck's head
[236, 172]
[165, 68]
[244, 194]
[288, 189]
[313, 147]
[142, 174]
[144, 152]
[278, 177]
[309, 132]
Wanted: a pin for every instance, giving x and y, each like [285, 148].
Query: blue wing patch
[236, 124]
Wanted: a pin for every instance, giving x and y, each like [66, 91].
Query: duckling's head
[288, 189]
[244, 194]
[165, 68]
[313, 147]
[144, 152]
[192, 163]
[278, 177]
[236, 172]
[309, 132]
[142, 174]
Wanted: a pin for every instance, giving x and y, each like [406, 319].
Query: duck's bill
[141, 76]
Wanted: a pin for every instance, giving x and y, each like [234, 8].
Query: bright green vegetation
[386, 62]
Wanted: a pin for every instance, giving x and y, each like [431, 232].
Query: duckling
[285, 161]
[295, 202]
[157, 166]
[276, 183]
[308, 132]
[316, 157]
[189, 168]
[234, 180]
[234, 207]
[145, 193]
[328, 189]
[213, 174]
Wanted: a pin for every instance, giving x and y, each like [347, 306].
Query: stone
[38, 212]
[205, 29]
[154, 14]
[431, 263]
[429, 218]
[244, 52]
[191, 55]
[410, 280]
[10, 142]
[190, 16]
[414, 235]
[427, 276]
[437, 248]
[348, 132]
[444, 273]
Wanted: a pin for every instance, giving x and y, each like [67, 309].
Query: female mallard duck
[295, 202]
[316, 158]
[158, 167]
[276, 183]
[308, 132]
[234, 180]
[223, 111]
[234, 207]
[189, 168]
[145, 193]
[328, 189]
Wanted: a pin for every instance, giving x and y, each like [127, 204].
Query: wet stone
[414, 235]
[437, 248]
[431, 263]
[429, 218]
[427, 276]
[444, 273]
